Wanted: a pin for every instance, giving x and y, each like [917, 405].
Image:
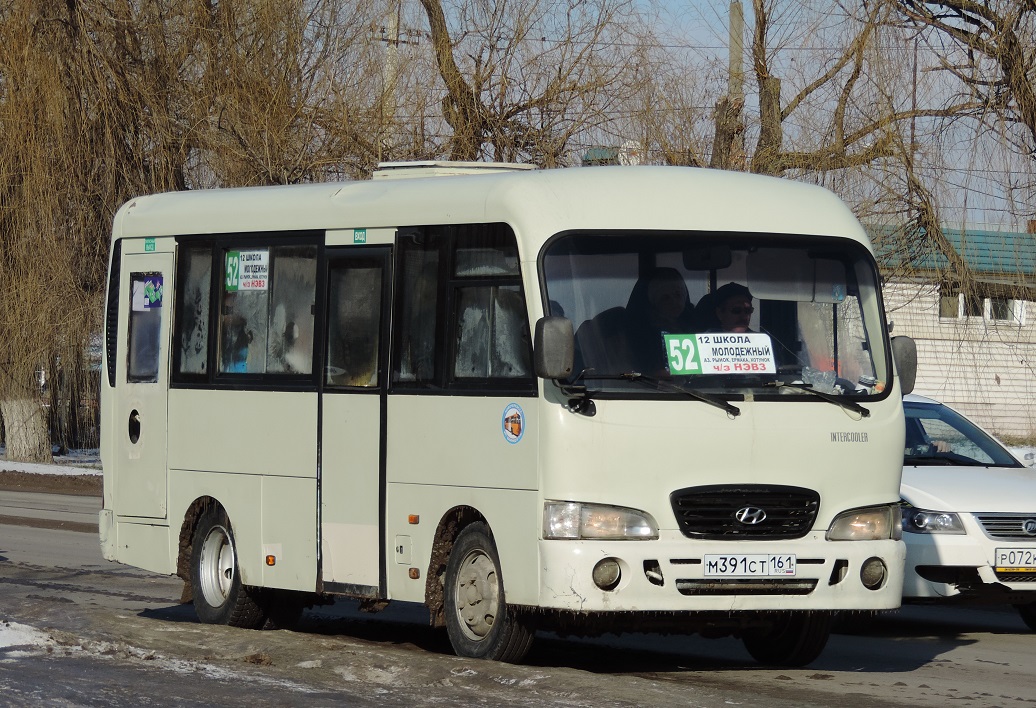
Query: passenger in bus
[658, 305]
[235, 337]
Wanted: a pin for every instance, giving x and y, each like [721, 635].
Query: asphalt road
[109, 635]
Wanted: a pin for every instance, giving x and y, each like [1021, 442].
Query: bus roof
[536, 203]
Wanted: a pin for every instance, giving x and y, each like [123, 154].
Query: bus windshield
[748, 314]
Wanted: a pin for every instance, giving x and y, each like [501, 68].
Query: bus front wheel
[219, 596]
[794, 639]
[479, 622]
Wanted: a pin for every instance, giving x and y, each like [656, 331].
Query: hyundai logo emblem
[750, 515]
[1029, 527]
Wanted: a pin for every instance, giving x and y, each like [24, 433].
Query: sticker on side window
[147, 292]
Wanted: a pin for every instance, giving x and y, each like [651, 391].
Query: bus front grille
[747, 512]
[746, 586]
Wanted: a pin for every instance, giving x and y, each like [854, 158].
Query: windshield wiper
[697, 395]
[808, 388]
[934, 460]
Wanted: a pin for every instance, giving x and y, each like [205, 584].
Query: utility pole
[736, 53]
[728, 149]
[390, 74]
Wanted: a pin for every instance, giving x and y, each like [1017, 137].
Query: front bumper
[961, 567]
[106, 531]
[668, 575]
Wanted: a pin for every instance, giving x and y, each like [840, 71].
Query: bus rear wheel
[479, 621]
[219, 596]
[794, 639]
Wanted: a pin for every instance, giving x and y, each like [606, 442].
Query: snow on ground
[19, 640]
[76, 462]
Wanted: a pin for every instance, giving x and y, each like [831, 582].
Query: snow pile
[21, 640]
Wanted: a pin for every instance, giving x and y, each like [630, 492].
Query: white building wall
[982, 367]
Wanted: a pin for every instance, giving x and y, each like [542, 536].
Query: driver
[733, 307]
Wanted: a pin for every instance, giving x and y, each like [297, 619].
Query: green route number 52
[682, 354]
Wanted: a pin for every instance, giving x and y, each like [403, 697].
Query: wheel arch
[450, 525]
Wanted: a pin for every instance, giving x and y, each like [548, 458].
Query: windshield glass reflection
[744, 314]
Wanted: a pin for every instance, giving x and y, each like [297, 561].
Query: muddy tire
[219, 596]
[794, 639]
[479, 621]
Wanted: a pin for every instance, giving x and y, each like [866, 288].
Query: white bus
[452, 385]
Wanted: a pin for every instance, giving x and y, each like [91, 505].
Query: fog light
[873, 573]
[607, 574]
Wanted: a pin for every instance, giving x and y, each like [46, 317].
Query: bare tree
[864, 118]
[997, 61]
[523, 77]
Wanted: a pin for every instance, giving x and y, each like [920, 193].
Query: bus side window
[354, 323]
[145, 326]
[292, 297]
[491, 331]
[419, 306]
[194, 302]
[492, 337]
[267, 310]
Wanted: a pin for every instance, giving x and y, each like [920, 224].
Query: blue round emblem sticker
[513, 423]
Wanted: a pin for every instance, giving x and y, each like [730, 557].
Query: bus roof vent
[443, 168]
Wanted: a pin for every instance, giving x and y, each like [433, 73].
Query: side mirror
[904, 352]
[554, 348]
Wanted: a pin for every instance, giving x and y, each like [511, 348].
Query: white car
[969, 513]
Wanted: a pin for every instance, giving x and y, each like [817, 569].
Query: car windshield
[726, 314]
[938, 435]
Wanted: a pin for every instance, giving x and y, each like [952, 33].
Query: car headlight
[572, 520]
[925, 521]
[875, 523]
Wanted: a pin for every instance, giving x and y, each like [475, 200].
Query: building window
[1000, 308]
[974, 305]
[949, 301]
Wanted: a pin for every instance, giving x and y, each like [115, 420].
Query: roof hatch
[443, 168]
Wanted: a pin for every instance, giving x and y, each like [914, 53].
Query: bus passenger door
[352, 420]
[142, 375]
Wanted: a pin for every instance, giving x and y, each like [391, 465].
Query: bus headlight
[572, 520]
[871, 524]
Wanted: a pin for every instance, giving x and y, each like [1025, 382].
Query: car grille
[1015, 577]
[711, 512]
[1008, 525]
